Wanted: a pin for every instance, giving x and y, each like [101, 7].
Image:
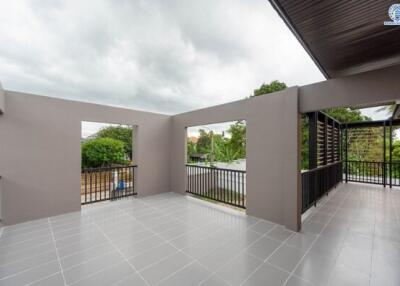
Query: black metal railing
[318, 182]
[107, 183]
[393, 170]
[372, 172]
[364, 172]
[223, 185]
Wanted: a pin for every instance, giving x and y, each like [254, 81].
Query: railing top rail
[372, 162]
[107, 168]
[320, 167]
[215, 168]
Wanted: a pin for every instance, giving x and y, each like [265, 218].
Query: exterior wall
[379, 86]
[40, 153]
[1, 203]
[273, 173]
[2, 100]
[40, 145]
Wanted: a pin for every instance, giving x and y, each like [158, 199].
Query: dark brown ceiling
[343, 37]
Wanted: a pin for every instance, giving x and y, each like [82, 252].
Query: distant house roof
[343, 37]
[193, 139]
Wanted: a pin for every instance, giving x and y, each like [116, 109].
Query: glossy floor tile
[351, 238]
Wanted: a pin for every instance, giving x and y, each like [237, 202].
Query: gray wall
[40, 153]
[379, 86]
[273, 172]
[2, 100]
[40, 145]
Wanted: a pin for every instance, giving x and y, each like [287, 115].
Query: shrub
[102, 151]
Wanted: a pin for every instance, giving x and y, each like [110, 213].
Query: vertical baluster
[218, 185]
[197, 180]
[118, 181]
[243, 199]
[237, 188]
[231, 186]
[85, 172]
[101, 181]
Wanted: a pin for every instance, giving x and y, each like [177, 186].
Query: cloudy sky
[156, 55]
[164, 56]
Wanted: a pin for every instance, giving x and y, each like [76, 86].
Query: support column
[384, 154]
[390, 151]
[346, 158]
[312, 139]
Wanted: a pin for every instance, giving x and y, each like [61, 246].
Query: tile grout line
[168, 242]
[119, 251]
[179, 250]
[316, 238]
[28, 269]
[26, 258]
[23, 241]
[58, 256]
[39, 244]
[265, 260]
[239, 253]
[66, 256]
[373, 247]
[1, 231]
[156, 234]
[43, 278]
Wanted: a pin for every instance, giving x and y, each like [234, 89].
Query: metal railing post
[390, 151]
[384, 154]
[346, 153]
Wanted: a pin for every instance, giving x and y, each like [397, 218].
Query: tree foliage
[273, 86]
[226, 149]
[101, 152]
[204, 142]
[237, 142]
[346, 115]
[342, 114]
[121, 133]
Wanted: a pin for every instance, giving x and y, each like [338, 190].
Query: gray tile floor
[351, 238]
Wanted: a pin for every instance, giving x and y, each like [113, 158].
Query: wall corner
[2, 99]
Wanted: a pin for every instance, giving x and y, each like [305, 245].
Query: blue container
[121, 184]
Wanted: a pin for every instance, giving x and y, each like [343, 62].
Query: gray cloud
[165, 56]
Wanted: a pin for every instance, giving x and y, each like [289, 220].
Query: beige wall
[272, 152]
[373, 87]
[40, 153]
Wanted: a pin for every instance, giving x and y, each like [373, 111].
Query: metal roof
[343, 37]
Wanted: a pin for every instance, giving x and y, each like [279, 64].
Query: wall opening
[216, 162]
[350, 145]
[107, 161]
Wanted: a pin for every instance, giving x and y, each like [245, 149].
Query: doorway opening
[107, 165]
[216, 162]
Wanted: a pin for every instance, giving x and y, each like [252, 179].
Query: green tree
[273, 86]
[121, 133]
[237, 142]
[204, 142]
[395, 151]
[304, 143]
[346, 115]
[342, 114]
[101, 152]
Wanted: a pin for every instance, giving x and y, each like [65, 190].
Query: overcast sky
[163, 56]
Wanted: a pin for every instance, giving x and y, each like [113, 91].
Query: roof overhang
[343, 37]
